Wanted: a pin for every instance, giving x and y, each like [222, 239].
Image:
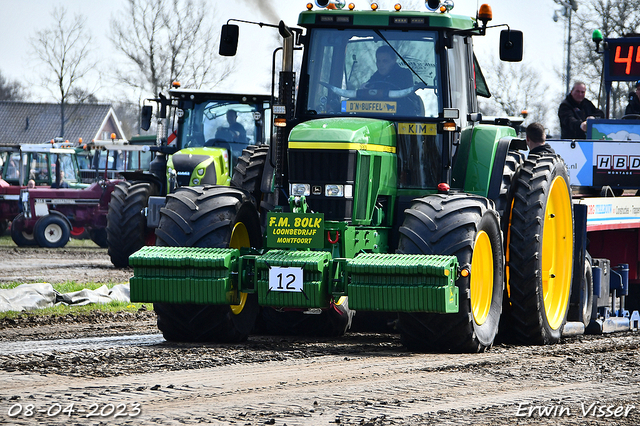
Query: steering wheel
[345, 93]
[381, 85]
[365, 93]
[631, 117]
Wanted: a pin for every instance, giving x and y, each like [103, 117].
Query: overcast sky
[544, 39]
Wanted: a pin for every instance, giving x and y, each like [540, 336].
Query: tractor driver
[238, 131]
[389, 75]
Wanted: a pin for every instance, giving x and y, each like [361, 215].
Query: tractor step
[184, 275]
[403, 283]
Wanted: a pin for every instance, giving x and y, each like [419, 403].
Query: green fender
[480, 147]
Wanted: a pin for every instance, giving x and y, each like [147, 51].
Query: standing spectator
[574, 112]
[634, 101]
[536, 140]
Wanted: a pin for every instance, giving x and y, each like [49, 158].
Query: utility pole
[568, 7]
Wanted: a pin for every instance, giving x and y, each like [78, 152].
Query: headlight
[196, 181]
[299, 189]
[334, 190]
[200, 172]
[348, 191]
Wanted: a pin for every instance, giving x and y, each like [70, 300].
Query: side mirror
[229, 40]
[511, 45]
[145, 117]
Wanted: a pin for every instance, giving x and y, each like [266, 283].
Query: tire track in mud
[355, 380]
[382, 388]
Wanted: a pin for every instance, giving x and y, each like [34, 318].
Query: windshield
[212, 123]
[67, 167]
[139, 160]
[359, 73]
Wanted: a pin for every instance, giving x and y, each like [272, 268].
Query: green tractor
[209, 134]
[388, 198]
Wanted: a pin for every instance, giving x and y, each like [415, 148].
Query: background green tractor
[389, 199]
[208, 135]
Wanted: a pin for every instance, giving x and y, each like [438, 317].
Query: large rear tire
[99, 236]
[210, 216]
[540, 251]
[19, 235]
[512, 165]
[468, 227]
[247, 173]
[126, 222]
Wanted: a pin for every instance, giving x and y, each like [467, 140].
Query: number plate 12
[285, 279]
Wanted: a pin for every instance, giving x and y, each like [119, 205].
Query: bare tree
[11, 90]
[166, 41]
[65, 50]
[514, 87]
[614, 19]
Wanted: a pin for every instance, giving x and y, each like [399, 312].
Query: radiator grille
[321, 167]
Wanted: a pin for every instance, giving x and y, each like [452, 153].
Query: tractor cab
[391, 75]
[40, 162]
[208, 132]
[391, 96]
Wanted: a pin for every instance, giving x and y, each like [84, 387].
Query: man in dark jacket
[536, 140]
[574, 112]
[634, 101]
[389, 75]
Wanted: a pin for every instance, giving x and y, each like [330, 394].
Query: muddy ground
[358, 379]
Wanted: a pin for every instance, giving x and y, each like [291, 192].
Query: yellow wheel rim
[236, 309]
[481, 278]
[557, 253]
[239, 238]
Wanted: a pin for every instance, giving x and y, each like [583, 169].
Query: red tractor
[35, 164]
[48, 215]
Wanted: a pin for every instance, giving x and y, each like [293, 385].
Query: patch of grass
[6, 241]
[69, 287]
[61, 310]
[66, 287]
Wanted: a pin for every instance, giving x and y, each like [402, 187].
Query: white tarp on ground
[27, 297]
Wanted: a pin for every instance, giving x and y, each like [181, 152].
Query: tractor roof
[199, 95]
[403, 20]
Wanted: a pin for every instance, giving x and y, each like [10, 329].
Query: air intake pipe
[331, 4]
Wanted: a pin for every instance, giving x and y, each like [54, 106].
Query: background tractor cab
[39, 163]
[207, 134]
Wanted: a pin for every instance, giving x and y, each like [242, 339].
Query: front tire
[211, 216]
[468, 227]
[540, 252]
[581, 307]
[331, 322]
[126, 223]
[51, 231]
